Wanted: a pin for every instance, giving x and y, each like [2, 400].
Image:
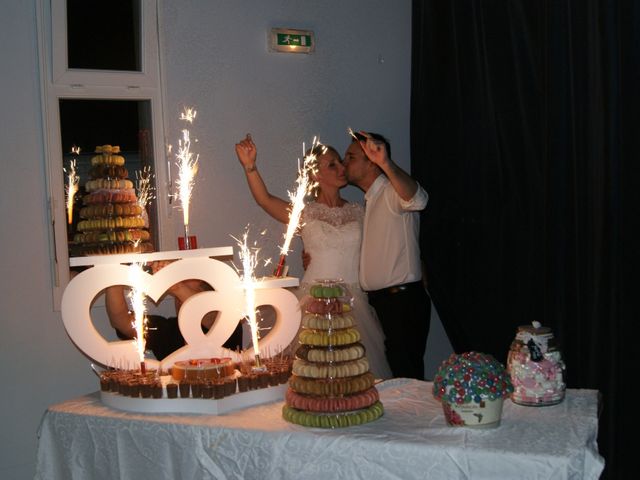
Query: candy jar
[536, 367]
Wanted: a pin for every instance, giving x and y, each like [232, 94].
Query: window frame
[59, 82]
[146, 77]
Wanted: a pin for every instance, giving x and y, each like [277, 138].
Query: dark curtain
[524, 132]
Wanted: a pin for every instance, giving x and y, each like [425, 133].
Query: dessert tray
[209, 406]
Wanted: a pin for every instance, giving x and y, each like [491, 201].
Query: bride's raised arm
[274, 206]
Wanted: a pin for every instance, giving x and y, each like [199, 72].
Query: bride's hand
[247, 153]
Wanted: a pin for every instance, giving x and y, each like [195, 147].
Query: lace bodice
[332, 236]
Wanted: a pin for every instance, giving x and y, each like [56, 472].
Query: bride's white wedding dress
[332, 237]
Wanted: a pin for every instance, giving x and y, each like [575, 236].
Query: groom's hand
[375, 151]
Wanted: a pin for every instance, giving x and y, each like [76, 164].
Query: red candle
[192, 244]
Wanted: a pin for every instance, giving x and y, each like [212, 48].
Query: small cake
[203, 369]
[471, 387]
[331, 385]
[172, 390]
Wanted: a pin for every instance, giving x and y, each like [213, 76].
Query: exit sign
[291, 41]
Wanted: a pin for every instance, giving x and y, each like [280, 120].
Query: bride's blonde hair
[315, 152]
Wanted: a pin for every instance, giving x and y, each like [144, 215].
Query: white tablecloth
[83, 439]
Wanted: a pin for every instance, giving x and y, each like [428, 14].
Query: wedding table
[84, 439]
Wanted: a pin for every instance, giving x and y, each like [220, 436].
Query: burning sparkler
[144, 187]
[362, 133]
[145, 193]
[187, 163]
[304, 186]
[138, 302]
[249, 258]
[362, 136]
[73, 180]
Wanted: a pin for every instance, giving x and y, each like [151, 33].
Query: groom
[390, 266]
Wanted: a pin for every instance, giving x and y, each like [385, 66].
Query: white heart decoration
[228, 299]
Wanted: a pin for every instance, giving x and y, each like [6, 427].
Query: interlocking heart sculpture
[227, 298]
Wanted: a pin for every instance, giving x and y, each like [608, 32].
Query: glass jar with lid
[536, 367]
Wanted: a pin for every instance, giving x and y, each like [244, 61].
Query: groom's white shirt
[390, 252]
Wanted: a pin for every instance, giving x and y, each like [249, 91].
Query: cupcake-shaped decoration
[536, 367]
[472, 387]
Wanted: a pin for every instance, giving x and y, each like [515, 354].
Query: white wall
[214, 58]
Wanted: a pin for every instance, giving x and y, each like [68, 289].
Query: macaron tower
[331, 385]
[111, 221]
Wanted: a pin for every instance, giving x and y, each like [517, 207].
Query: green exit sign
[297, 40]
[291, 41]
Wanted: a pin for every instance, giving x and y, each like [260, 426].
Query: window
[103, 35]
[100, 74]
[87, 125]
[103, 42]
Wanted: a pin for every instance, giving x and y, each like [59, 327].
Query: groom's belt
[404, 287]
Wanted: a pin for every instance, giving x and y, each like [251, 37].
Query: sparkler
[145, 193]
[187, 163]
[249, 258]
[351, 132]
[144, 187]
[361, 133]
[304, 186]
[73, 180]
[367, 136]
[138, 302]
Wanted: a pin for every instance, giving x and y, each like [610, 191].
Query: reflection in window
[104, 35]
[110, 143]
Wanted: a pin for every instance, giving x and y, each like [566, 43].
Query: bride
[331, 233]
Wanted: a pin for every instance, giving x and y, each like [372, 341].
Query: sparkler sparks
[145, 193]
[304, 186]
[73, 180]
[361, 133]
[138, 303]
[144, 187]
[351, 132]
[187, 163]
[249, 258]
[188, 115]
